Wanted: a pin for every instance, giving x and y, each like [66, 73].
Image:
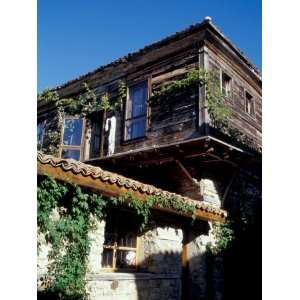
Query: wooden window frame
[253, 101]
[70, 147]
[147, 114]
[102, 116]
[227, 96]
[115, 248]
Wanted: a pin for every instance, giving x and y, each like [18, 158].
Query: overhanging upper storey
[161, 102]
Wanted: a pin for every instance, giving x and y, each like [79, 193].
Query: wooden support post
[102, 134]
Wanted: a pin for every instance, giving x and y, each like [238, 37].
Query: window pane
[137, 100]
[126, 239]
[107, 258]
[135, 128]
[71, 153]
[126, 259]
[72, 132]
[109, 238]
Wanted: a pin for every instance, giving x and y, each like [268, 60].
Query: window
[96, 128]
[72, 137]
[136, 111]
[40, 134]
[226, 84]
[249, 104]
[120, 242]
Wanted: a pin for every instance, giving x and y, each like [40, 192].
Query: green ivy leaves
[68, 233]
[223, 235]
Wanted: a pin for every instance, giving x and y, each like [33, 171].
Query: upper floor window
[72, 138]
[120, 241]
[40, 134]
[226, 84]
[96, 130]
[249, 102]
[136, 111]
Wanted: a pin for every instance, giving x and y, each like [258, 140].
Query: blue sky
[77, 36]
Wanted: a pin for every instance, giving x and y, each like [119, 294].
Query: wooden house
[163, 134]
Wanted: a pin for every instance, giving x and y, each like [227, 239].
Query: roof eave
[74, 172]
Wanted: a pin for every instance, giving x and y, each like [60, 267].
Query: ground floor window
[121, 241]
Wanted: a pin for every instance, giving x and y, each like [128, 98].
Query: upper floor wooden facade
[138, 127]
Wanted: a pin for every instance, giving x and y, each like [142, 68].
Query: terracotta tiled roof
[115, 181]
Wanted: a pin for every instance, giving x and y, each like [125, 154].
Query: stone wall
[205, 274]
[159, 276]
[133, 286]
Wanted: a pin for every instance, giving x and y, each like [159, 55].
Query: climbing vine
[67, 233]
[219, 112]
[85, 105]
[88, 103]
[65, 215]
[214, 99]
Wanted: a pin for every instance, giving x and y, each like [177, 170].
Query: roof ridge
[129, 55]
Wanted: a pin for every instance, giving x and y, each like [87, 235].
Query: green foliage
[48, 194]
[224, 235]
[166, 93]
[48, 95]
[68, 231]
[219, 112]
[67, 234]
[173, 203]
[214, 101]
[86, 104]
[142, 208]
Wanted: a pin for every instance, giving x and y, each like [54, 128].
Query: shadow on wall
[241, 280]
[141, 285]
[235, 274]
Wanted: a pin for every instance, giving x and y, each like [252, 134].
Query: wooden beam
[221, 159]
[187, 174]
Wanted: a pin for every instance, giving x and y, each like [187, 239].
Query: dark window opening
[120, 244]
[136, 111]
[96, 130]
